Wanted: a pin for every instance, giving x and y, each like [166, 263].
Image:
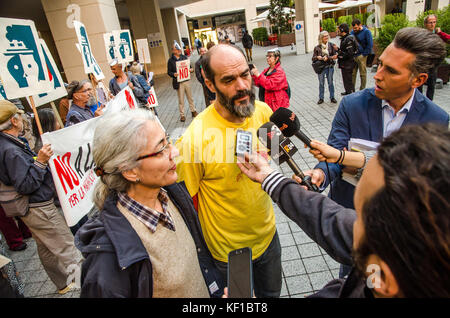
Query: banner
[89, 62]
[183, 70]
[72, 167]
[72, 164]
[58, 89]
[152, 100]
[122, 40]
[22, 65]
[143, 51]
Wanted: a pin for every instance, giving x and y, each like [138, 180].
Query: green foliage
[278, 18]
[260, 34]
[329, 25]
[345, 19]
[443, 18]
[391, 24]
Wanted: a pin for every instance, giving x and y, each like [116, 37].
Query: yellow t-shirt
[234, 211]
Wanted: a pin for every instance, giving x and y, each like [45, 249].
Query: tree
[278, 18]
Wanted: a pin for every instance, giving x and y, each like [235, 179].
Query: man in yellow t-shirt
[234, 211]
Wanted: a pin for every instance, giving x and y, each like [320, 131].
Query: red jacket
[444, 36]
[275, 86]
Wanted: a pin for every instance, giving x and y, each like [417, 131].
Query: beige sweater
[176, 271]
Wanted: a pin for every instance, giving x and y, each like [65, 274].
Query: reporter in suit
[374, 113]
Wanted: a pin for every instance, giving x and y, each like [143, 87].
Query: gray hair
[7, 125]
[321, 35]
[425, 21]
[74, 87]
[428, 48]
[119, 138]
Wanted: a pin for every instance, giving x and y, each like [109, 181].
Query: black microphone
[289, 124]
[281, 149]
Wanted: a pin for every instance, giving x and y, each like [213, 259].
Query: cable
[331, 186]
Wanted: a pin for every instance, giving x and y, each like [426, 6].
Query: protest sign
[143, 51]
[89, 62]
[123, 101]
[110, 45]
[152, 100]
[183, 72]
[122, 40]
[58, 89]
[72, 167]
[22, 64]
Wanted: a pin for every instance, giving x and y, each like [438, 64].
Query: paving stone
[320, 279]
[293, 268]
[286, 240]
[308, 250]
[283, 228]
[315, 264]
[298, 284]
[289, 253]
[32, 289]
[301, 237]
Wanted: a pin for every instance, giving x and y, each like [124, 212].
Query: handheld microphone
[270, 136]
[289, 124]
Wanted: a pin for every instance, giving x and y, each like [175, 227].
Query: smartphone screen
[240, 274]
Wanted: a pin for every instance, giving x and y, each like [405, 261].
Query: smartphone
[243, 142]
[251, 66]
[240, 273]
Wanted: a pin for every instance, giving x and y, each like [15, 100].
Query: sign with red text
[152, 100]
[183, 72]
[122, 101]
[72, 167]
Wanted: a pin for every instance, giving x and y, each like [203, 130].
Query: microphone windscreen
[267, 133]
[286, 121]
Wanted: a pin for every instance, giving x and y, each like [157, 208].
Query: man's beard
[241, 110]
[91, 101]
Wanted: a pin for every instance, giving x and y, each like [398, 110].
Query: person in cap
[346, 55]
[181, 87]
[272, 82]
[30, 176]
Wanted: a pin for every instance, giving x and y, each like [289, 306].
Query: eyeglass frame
[169, 142]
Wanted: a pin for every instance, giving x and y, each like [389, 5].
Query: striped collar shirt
[146, 215]
[393, 121]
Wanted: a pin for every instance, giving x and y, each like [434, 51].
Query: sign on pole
[122, 40]
[300, 37]
[183, 70]
[89, 62]
[110, 45]
[143, 51]
[22, 65]
[152, 100]
[58, 89]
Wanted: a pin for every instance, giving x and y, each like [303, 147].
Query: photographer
[397, 239]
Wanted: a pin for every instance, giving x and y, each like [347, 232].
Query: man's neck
[224, 113]
[79, 103]
[12, 132]
[398, 103]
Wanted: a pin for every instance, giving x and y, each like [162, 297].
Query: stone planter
[286, 39]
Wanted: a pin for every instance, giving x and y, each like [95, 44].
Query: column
[145, 18]
[308, 11]
[171, 28]
[413, 8]
[98, 16]
[250, 13]
[182, 23]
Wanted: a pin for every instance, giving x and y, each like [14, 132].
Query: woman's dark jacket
[332, 51]
[117, 263]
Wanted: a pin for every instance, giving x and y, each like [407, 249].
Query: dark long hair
[47, 119]
[407, 223]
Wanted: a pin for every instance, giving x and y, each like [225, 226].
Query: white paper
[356, 144]
[143, 51]
[183, 70]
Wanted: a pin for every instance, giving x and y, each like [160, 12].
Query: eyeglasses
[162, 150]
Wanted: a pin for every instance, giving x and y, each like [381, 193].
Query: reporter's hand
[255, 167]
[44, 154]
[324, 152]
[317, 177]
[130, 85]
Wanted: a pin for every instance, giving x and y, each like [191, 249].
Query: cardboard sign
[122, 40]
[58, 89]
[89, 62]
[2, 91]
[183, 72]
[72, 167]
[152, 100]
[143, 51]
[22, 64]
[110, 45]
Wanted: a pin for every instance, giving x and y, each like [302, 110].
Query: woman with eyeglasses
[272, 82]
[81, 94]
[146, 241]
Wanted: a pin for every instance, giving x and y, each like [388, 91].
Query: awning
[263, 16]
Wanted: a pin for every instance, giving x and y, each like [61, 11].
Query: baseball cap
[8, 110]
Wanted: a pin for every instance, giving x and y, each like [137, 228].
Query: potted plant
[330, 26]
[280, 16]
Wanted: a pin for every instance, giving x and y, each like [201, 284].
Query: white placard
[183, 70]
[89, 62]
[124, 45]
[143, 51]
[58, 90]
[122, 101]
[110, 45]
[154, 40]
[22, 65]
[152, 100]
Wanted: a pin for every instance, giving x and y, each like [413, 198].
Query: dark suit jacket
[360, 116]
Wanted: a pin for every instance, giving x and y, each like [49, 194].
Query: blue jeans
[266, 271]
[328, 72]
